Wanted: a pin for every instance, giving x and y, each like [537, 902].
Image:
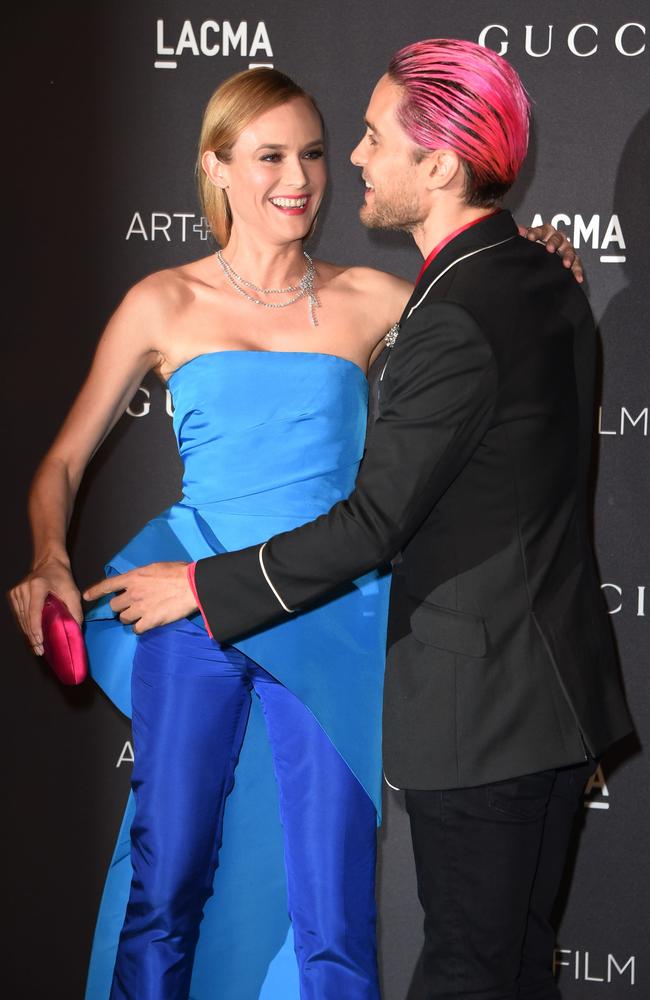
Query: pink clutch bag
[63, 642]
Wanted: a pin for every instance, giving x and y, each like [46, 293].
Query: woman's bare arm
[124, 354]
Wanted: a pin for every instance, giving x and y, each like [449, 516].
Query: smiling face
[276, 175]
[395, 179]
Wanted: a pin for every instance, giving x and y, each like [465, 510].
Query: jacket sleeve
[441, 387]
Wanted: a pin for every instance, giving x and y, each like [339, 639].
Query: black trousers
[489, 861]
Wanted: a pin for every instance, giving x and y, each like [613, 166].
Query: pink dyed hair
[461, 96]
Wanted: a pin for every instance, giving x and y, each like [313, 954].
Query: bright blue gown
[269, 440]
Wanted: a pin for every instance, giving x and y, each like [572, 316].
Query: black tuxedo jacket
[501, 659]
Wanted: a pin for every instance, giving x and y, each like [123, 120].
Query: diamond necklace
[305, 287]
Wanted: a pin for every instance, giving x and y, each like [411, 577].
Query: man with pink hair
[502, 685]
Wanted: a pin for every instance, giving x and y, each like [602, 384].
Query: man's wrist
[191, 570]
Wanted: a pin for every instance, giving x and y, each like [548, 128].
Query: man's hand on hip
[148, 596]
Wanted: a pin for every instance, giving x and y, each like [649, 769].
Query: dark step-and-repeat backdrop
[105, 110]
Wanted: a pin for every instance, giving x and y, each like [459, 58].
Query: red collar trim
[443, 243]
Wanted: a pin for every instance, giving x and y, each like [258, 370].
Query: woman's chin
[292, 227]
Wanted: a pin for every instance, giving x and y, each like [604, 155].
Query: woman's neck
[266, 265]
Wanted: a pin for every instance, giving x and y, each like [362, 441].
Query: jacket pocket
[455, 631]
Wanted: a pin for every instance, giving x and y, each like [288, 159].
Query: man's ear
[442, 168]
[215, 169]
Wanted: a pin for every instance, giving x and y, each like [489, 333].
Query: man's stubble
[402, 213]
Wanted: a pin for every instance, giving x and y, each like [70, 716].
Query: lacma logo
[596, 791]
[212, 38]
[126, 754]
[615, 423]
[599, 234]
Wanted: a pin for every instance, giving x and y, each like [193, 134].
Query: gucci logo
[583, 40]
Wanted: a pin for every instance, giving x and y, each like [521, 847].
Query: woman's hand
[123, 356]
[28, 597]
[556, 242]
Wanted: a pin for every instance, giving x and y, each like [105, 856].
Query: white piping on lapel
[438, 277]
[453, 264]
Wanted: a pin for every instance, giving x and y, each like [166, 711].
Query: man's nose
[357, 155]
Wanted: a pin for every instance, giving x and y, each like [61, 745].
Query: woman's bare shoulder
[377, 293]
[374, 301]
[379, 289]
[371, 277]
[166, 294]
[166, 288]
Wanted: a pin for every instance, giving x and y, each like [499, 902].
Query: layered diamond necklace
[305, 287]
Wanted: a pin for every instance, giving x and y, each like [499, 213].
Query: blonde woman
[265, 353]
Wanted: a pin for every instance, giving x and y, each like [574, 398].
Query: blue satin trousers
[191, 700]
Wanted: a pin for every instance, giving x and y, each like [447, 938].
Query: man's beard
[402, 213]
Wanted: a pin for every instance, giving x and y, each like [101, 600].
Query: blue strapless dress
[269, 440]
